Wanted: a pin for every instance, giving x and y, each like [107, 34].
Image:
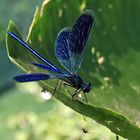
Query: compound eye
[86, 87]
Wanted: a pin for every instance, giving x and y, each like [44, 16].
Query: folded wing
[37, 77]
[78, 38]
[70, 42]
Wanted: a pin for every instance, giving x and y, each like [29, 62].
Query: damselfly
[69, 47]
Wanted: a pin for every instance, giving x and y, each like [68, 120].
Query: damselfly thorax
[76, 82]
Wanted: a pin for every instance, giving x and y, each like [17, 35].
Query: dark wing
[44, 67]
[78, 37]
[61, 48]
[70, 43]
[31, 77]
[37, 77]
[33, 51]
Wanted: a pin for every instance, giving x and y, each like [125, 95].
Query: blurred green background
[24, 114]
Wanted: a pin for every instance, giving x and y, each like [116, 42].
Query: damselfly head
[86, 87]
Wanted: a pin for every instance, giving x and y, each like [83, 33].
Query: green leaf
[16, 52]
[111, 60]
